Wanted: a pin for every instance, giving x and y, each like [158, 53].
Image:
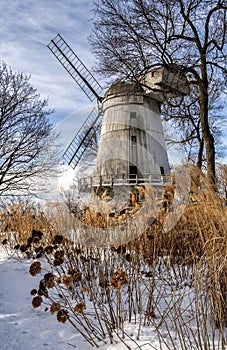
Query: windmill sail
[83, 139]
[75, 67]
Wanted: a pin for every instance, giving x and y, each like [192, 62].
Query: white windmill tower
[132, 148]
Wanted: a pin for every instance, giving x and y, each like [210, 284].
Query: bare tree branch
[26, 135]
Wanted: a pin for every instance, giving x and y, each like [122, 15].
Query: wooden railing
[88, 183]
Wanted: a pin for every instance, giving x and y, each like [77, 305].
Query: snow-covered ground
[21, 326]
[24, 328]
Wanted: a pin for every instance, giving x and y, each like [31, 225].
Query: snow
[21, 326]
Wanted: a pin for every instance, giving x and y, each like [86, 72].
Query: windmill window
[132, 115]
[133, 139]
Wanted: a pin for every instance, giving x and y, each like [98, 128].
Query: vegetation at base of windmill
[171, 258]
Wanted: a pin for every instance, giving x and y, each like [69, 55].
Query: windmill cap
[124, 88]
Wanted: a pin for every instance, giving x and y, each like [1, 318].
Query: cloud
[27, 27]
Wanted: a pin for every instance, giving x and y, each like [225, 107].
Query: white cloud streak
[27, 26]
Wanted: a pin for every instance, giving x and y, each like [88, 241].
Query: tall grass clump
[18, 221]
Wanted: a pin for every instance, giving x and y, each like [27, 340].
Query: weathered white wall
[116, 150]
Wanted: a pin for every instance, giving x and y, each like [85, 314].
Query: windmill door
[133, 174]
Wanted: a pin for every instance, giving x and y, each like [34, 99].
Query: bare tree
[132, 37]
[185, 122]
[26, 135]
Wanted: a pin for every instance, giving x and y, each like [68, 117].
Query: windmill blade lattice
[83, 139]
[75, 67]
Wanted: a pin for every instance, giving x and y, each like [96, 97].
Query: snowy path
[21, 326]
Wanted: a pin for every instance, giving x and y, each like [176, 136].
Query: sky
[26, 28]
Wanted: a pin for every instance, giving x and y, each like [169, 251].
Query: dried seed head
[84, 259]
[23, 248]
[58, 239]
[59, 254]
[67, 280]
[121, 250]
[58, 280]
[42, 289]
[54, 307]
[49, 280]
[39, 249]
[36, 240]
[58, 261]
[59, 257]
[49, 249]
[119, 279]
[78, 251]
[29, 240]
[150, 314]
[79, 308]
[76, 275]
[37, 233]
[37, 301]
[62, 316]
[33, 292]
[35, 268]
[129, 257]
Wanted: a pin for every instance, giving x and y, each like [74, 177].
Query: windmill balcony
[92, 182]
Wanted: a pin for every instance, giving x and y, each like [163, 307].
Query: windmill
[132, 148]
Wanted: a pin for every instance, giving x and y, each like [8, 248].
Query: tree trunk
[206, 133]
[200, 154]
[208, 140]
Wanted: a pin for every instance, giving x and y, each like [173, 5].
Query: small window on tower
[132, 115]
[133, 138]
